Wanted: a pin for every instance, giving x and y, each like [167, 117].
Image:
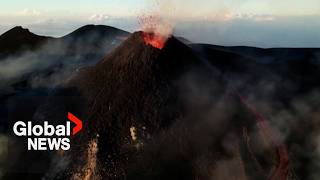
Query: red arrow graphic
[77, 121]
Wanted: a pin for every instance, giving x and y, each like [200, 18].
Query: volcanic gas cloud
[156, 31]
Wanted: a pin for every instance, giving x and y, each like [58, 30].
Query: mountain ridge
[19, 40]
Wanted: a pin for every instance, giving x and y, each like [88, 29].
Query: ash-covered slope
[136, 87]
[134, 71]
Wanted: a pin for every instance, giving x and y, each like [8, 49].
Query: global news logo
[41, 137]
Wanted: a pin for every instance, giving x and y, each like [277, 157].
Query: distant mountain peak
[19, 38]
[18, 30]
[96, 29]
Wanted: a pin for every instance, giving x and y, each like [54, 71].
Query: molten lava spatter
[154, 39]
[155, 30]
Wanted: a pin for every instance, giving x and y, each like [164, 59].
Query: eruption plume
[156, 31]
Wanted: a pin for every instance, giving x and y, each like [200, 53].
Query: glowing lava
[156, 30]
[281, 171]
[154, 39]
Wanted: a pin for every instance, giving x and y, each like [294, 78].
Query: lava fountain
[156, 31]
[154, 39]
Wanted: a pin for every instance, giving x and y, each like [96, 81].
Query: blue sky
[295, 22]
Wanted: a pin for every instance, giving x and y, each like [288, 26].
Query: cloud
[254, 17]
[29, 12]
[264, 18]
[229, 16]
[99, 17]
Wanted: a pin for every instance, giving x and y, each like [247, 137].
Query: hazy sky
[198, 7]
[296, 21]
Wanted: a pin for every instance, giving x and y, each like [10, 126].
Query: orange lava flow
[281, 171]
[154, 39]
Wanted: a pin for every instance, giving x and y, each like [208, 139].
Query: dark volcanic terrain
[19, 39]
[166, 114]
[181, 112]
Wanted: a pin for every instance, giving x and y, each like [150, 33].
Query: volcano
[161, 113]
[135, 86]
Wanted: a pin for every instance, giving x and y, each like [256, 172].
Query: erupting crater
[155, 31]
[154, 39]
